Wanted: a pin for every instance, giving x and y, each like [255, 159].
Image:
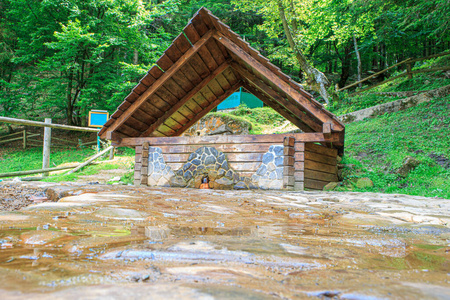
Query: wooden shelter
[204, 65]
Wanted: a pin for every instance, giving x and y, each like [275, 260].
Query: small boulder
[362, 183]
[330, 186]
[409, 164]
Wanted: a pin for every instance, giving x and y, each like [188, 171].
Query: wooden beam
[313, 137]
[373, 75]
[308, 105]
[207, 109]
[160, 81]
[43, 124]
[185, 99]
[326, 129]
[311, 124]
[114, 137]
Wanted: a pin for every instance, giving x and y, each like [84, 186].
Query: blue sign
[97, 118]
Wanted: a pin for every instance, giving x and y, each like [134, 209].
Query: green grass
[31, 159]
[419, 82]
[260, 117]
[376, 148]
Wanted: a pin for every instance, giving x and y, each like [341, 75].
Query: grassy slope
[377, 147]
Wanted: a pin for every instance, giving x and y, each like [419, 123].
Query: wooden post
[288, 163]
[144, 161]
[408, 71]
[24, 139]
[111, 153]
[46, 147]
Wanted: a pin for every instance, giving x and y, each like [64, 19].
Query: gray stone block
[278, 150]
[267, 158]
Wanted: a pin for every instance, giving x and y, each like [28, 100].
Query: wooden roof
[204, 65]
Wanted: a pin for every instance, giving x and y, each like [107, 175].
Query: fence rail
[48, 142]
[409, 72]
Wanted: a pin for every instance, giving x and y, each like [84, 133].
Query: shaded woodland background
[61, 58]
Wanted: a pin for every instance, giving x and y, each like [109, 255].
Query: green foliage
[376, 148]
[259, 117]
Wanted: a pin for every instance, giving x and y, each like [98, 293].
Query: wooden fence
[409, 72]
[29, 139]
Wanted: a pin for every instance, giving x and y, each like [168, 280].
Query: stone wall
[213, 163]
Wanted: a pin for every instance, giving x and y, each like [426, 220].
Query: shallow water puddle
[222, 244]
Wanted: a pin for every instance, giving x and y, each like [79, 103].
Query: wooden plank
[191, 33]
[299, 166]
[190, 74]
[216, 88]
[300, 176]
[166, 95]
[224, 84]
[185, 99]
[311, 147]
[172, 86]
[299, 156]
[307, 105]
[288, 151]
[207, 58]
[199, 25]
[299, 186]
[182, 81]
[317, 166]
[320, 158]
[173, 53]
[161, 80]
[288, 161]
[199, 66]
[193, 106]
[226, 148]
[164, 62]
[136, 124]
[288, 170]
[216, 53]
[315, 184]
[227, 139]
[317, 175]
[43, 124]
[231, 157]
[144, 117]
[182, 43]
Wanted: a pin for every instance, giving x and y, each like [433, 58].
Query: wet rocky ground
[124, 242]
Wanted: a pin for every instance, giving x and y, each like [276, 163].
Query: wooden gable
[204, 65]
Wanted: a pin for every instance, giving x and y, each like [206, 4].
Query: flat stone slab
[121, 214]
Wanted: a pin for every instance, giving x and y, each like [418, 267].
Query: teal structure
[239, 98]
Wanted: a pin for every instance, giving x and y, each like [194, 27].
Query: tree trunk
[69, 108]
[316, 79]
[358, 58]
[345, 60]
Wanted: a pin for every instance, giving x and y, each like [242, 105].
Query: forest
[62, 58]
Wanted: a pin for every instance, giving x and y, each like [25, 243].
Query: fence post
[111, 154]
[24, 139]
[408, 71]
[46, 147]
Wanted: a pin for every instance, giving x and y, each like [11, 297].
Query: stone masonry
[213, 163]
